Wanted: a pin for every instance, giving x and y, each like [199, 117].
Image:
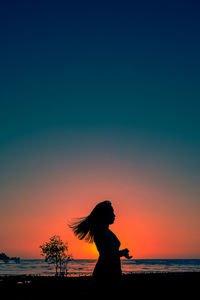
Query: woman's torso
[106, 242]
[108, 265]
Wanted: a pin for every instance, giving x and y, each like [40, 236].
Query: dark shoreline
[157, 285]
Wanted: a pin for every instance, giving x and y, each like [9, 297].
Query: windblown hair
[84, 228]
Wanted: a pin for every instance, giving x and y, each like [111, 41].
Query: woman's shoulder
[101, 233]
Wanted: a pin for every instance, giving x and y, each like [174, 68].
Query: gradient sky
[100, 100]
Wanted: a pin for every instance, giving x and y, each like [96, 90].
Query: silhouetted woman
[95, 228]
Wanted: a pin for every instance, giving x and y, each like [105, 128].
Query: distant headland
[6, 258]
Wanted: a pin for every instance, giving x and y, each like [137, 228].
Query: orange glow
[152, 220]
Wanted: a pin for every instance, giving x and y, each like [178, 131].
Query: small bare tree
[56, 252]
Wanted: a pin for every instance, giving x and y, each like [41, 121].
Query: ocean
[84, 267]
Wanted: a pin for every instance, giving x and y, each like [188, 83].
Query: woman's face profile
[110, 217]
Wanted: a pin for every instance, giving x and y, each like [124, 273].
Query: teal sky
[124, 73]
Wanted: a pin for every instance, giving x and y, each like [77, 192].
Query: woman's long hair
[84, 228]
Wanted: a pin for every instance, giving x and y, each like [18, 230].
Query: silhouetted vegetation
[6, 258]
[56, 252]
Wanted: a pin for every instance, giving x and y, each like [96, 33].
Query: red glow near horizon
[152, 220]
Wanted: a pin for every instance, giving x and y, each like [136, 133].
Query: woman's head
[102, 214]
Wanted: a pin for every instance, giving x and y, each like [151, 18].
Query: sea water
[80, 267]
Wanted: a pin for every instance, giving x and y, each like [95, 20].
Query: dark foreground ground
[134, 286]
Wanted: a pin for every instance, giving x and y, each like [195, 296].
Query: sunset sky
[100, 100]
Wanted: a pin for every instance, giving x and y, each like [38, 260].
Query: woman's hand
[125, 253]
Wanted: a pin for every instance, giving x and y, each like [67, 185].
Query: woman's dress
[108, 265]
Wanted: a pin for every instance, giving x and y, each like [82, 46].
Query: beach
[157, 285]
